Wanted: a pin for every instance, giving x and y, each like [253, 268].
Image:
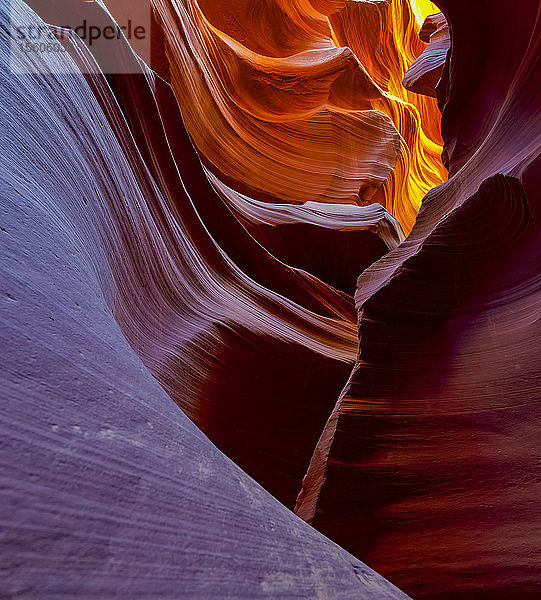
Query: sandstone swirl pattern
[432, 449]
[267, 226]
[110, 491]
[298, 101]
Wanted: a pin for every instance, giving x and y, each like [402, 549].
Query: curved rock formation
[110, 491]
[332, 241]
[384, 36]
[134, 276]
[428, 467]
[425, 72]
[323, 118]
[206, 317]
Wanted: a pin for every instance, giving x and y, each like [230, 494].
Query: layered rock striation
[428, 466]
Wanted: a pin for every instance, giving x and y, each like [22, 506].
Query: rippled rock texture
[294, 101]
[235, 228]
[428, 467]
[111, 491]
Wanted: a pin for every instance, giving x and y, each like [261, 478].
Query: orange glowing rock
[384, 36]
[284, 105]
